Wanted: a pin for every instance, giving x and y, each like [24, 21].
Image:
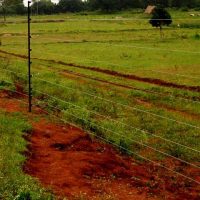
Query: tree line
[47, 7]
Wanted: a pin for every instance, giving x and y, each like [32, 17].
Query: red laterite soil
[72, 164]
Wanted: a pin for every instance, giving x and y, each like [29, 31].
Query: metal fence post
[29, 60]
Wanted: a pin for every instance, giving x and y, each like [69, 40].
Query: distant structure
[149, 10]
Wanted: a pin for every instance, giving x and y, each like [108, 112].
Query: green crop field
[113, 75]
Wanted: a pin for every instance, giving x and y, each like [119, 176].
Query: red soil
[67, 160]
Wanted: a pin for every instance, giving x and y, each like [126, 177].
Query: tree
[160, 18]
[3, 11]
[11, 7]
[43, 7]
[70, 5]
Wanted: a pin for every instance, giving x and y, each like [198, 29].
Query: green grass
[14, 183]
[127, 46]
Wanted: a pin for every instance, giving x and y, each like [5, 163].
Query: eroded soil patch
[73, 164]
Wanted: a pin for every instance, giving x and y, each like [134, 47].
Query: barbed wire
[117, 18]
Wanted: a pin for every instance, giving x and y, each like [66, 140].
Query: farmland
[115, 77]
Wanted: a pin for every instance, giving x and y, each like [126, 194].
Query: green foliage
[160, 18]
[47, 7]
[12, 7]
[70, 5]
[14, 183]
[197, 36]
[43, 7]
[136, 49]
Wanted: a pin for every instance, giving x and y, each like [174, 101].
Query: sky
[26, 2]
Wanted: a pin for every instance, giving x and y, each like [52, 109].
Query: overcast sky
[26, 2]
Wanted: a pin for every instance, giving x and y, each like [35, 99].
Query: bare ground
[73, 164]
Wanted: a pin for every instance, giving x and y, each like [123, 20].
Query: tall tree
[43, 7]
[70, 5]
[12, 7]
[2, 9]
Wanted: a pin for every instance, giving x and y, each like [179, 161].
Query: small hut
[149, 10]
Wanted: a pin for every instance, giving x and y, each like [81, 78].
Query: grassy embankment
[14, 183]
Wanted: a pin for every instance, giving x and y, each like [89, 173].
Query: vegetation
[136, 49]
[14, 183]
[160, 18]
[47, 7]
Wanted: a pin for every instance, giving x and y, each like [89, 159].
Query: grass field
[119, 79]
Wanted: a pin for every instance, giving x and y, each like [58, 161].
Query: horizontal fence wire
[107, 117]
[124, 105]
[121, 104]
[135, 128]
[156, 48]
[132, 140]
[111, 64]
[181, 75]
[133, 153]
[192, 18]
[22, 75]
[129, 46]
[118, 103]
[83, 76]
[138, 155]
[114, 65]
[60, 71]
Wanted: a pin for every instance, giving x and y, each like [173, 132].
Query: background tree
[160, 18]
[11, 7]
[2, 9]
[43, 7]
[70, 5]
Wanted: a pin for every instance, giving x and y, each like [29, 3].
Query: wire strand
[138, 155]
[144, 158]
[124, 105]
[106, 82]
[137, 129]
[116, 121]
[114, 65]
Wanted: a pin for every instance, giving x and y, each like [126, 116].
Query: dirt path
[73, 164]
[116, 74]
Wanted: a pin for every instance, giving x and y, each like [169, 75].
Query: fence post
[29, 60]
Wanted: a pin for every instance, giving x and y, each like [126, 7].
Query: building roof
[149, 9]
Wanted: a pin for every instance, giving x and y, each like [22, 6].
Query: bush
[197, 36]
